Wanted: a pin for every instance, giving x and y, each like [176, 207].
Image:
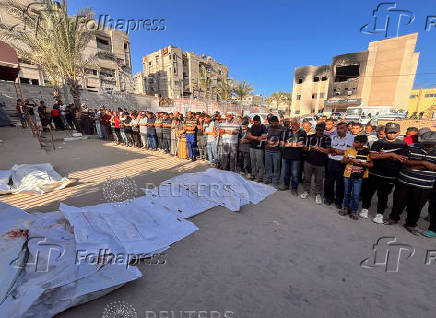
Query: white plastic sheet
[53, 280]
[136, 227]
[193, 193]
[5, 176]
[14, 227]
[37, 178]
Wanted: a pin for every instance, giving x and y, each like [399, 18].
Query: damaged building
[383, 75]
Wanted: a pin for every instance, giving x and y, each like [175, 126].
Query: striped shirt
[423, 179]
[193, 122]
[387, 168]
[230, 125]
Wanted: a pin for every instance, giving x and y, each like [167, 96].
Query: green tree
[225, 88]
[51, 39]
[242, 90]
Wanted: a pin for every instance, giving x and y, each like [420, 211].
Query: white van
[364, 114]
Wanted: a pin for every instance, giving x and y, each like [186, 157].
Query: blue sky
[263, 41]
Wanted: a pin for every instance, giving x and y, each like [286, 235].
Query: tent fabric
[9, 67]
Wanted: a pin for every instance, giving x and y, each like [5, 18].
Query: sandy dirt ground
[285, 257]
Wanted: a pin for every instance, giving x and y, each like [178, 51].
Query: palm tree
[225, 88]
[54, 41]
[287, 99]
[276, 98]
[204, 80]
[33, 40]
[242, 90]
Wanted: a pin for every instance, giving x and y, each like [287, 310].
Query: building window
[103, 44]
[316, 79]
[334, 89]
[24, 80]
[349, 93]
[324, 78]
[321, 95]
[298, 97]
[300, 80]
[313, 96]
[430, 95]
[34, 82]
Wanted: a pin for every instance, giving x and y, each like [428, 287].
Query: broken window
[344, 73]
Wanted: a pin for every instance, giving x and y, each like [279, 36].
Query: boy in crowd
[335, 168]
[256, 136]
[386, 154]
[411, 136]
[293, 143]
[415, 181]
[244, 150]
[272, 151]
[356, 129]
[379, 132]
[357, 162]
[330, 129]
[317, 147]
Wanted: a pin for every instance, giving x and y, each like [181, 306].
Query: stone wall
[113, 101]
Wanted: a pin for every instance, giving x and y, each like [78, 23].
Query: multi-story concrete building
[170, 72]
[422, 100]
[106, 76]
[383, 75]
[253, 99]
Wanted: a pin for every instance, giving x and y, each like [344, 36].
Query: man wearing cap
[415, 182]
[334, 179]
[388, 156]
[229, 132]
